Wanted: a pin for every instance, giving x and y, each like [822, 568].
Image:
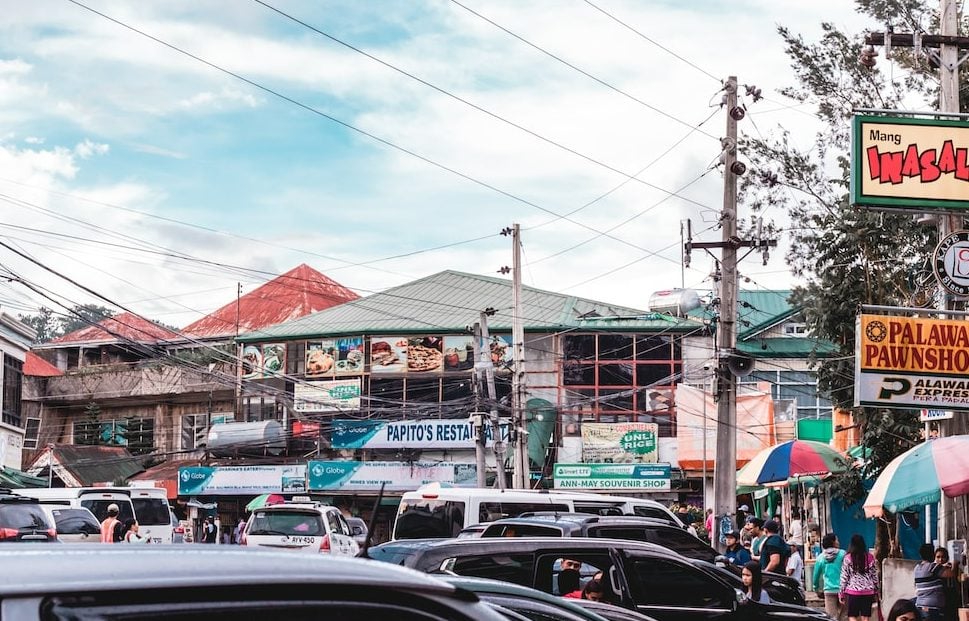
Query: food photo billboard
[912, 362]
[910, 163]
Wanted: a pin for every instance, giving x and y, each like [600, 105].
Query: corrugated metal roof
[126, 327]
[756, 311]
[36, 366]
[451, 301]
[93, 464]
[297, 293]
[787, 347]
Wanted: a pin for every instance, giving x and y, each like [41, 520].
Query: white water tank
[676, 302]
[260, 438]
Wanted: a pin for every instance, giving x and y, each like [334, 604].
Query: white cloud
[87, 149]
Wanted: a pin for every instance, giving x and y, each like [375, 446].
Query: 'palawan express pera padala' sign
[910, 163]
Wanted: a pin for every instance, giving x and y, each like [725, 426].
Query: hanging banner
[619, 443]
[696, 425]
[910, 163]
[395, 475]
[640, 477]
[327, 396]
[234, 480]
[406, 434]
[916, 362]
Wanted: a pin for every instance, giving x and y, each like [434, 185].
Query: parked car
[73, 524]
[641, 576]
[779, 587]
[221, 582]
[22, 519]
[530, 603]
[358, 530]
[300, 527]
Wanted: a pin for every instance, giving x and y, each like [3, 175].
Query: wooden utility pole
[725, 468]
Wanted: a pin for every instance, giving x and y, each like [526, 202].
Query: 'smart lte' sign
[915, 362]
[910, 163]
[632, 477]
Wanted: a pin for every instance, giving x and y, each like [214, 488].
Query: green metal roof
[759, 310]
[451, 301]
[15, 479]
[786, 347]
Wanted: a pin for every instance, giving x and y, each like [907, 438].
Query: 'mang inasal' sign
[912, 362]
[901, 162]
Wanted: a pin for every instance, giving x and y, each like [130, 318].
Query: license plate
[305, 541]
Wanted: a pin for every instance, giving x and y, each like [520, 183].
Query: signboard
[619, 443]
[910, 163]
[633, 477]
[327, 396]
[233, 480]
[951, 263]
[916, 362]
[423, 434]
[927, 416]
[343, 356]
[396, 475]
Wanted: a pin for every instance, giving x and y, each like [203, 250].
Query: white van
[148, 505]
[442, 512]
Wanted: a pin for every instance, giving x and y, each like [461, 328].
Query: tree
[49, 326]
[847, 256]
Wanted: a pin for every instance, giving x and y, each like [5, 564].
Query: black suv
[642, 576]
[779, 587]
[22, 519]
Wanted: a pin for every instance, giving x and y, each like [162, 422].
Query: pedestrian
[795, 535]
[780, 524]
[753, 583]
[742, 516]
[755, 527]
[735, 553]
[690, 528]
[131, 532]
[951, 586]
[795, 565]
[210, 533]
[827, 575]
[708, 524]
[929, 587]
[773, 551]
[240, 529]
[111, 527]
[858, 586]
[904, 610]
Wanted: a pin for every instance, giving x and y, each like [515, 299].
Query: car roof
[546, 517]
[483, 586]
[43, 569]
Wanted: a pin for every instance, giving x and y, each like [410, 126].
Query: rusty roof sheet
[94, 464]
[36, 366]
[297, 293]
[123, 328]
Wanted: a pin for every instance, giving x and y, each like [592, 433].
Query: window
[75, 522]
[516, 568]
[136, 434]
[491, 511]
[795, 329]
[13, 381]
[429, 518]
[798, 386]
[336, 525]
[665, 583]
[151, 511]
[31, 433]
[521, 530]
[195, 429]
[295, 523]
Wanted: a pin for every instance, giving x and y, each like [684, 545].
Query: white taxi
[300, 527]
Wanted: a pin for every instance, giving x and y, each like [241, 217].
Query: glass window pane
[577, 374]
[650, 374]
[654, 348]
[616, 375]
[616, 400]
[426, 390]
[615, 347]
[580, 347]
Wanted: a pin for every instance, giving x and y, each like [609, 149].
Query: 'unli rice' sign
[912, 362]
[910, 163]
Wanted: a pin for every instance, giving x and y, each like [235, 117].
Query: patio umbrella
[263, 501]
[794, 459]
[921, 475]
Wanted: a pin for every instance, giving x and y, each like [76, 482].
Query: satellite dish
[740, 365]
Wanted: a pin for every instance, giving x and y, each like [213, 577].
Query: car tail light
[8, 533]
[180, 530]
[244, 540]
[52, 533]
[325, 544]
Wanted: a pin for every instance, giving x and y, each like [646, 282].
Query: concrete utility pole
[487, 366]
[725, 468]
[521, 471]
[478, 417]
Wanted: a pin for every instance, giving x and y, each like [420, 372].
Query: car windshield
[152, 511]
[429, 518]
[22, 515]
[75, 522]
[100, 508]
[295, 523]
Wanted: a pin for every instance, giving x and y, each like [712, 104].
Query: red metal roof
[124, 327]
[297, 293]
[38, 367]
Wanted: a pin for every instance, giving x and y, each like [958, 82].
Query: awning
[15, 479]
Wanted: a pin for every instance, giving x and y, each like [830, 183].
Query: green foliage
[49, 326]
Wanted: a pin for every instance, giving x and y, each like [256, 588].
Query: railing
[139, 380]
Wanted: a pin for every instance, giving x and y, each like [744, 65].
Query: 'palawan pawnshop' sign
[912, 362]
[910, 163]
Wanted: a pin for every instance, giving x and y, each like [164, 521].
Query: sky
[378, 142]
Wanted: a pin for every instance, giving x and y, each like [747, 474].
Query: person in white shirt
[796, 528]
[795, 564]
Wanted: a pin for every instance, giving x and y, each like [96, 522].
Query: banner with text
[426, 434]
[639, 477]
[240, 480]
[903, 162]
[327, 396]
[396, 475]
[914, 362]
[619, 443]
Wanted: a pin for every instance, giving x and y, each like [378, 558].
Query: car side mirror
[739, 599]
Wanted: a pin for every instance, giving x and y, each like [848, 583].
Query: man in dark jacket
[735, 552]
[773, 552]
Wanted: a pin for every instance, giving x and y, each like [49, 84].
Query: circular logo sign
[638, 442]
[951, 263]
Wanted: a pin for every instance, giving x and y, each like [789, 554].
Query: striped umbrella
[921, 475]
[793, 459]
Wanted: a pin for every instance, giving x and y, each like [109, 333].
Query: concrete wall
[898, 580]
